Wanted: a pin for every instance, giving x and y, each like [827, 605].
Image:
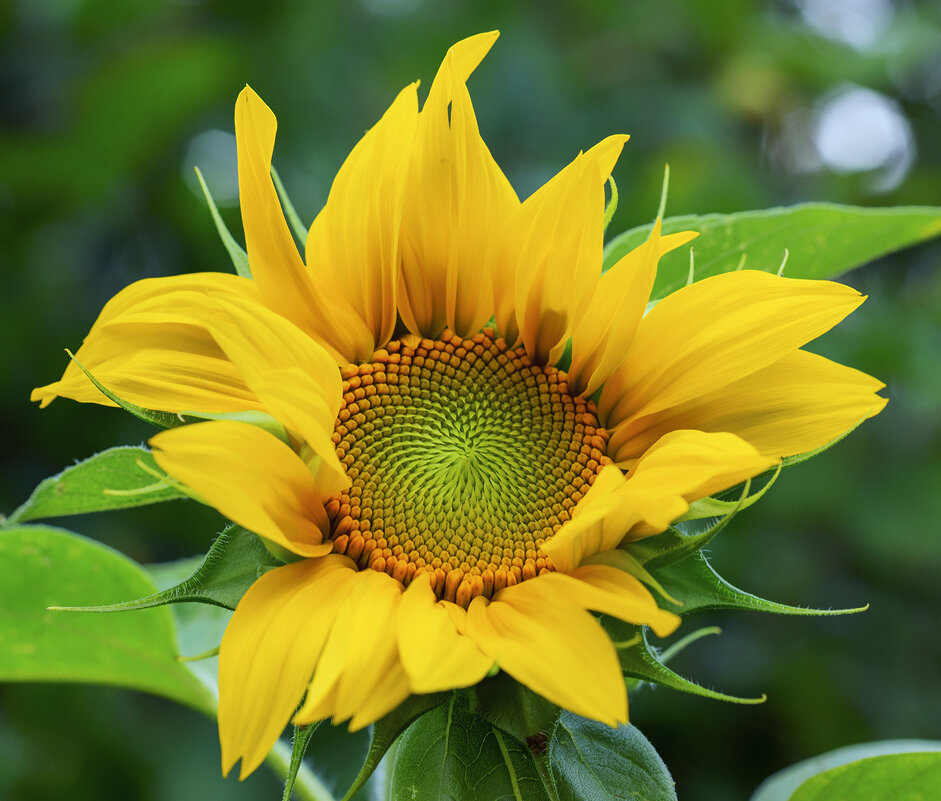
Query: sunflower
[454, 502]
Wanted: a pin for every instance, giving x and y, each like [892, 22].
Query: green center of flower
[464, 459]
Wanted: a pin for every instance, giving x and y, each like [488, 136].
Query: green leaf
[385, 731]
[593, 761]
[451, 754]
[253, 417]
[300, 230]
[823, 239]
[888, 770]
[112, 479]
[514, 708]
[698, 586]
[235, 561]
[42, 566]
[641, 662]
[239, 257]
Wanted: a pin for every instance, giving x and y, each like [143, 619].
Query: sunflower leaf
[112, 479]
[451, 754]
[694, 582]
[823, 239]
[890, 770]
[236, 559]
[642, 662]
[592, 760]
[385, 731]
[515, 708]
[42, 565]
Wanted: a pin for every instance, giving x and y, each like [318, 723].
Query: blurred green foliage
[105, 108]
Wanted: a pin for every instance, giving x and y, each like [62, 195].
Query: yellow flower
[456, 498]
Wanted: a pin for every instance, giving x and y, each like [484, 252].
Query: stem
[307, 787]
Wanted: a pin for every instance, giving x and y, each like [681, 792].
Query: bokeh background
[107, 105]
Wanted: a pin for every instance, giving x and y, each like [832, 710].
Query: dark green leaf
[42, 566]
[593, 761]
[887, 781]
[642, 662]
[823, 240]
[235, 561]
[451, 754]
[694, 582]
[114, 479]
[514, 708]
[387, 729]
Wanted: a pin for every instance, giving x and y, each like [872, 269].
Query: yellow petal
[360, 652]
[269, 651]
[353, 245]
[457, 200]
[680, 467]
[435, 654]
[795, 405]
[554, 250]
[552, 645]
[297, 381]
[716, 331]
[606, 331]
[284, 283]
[150, 346]
[252, 478]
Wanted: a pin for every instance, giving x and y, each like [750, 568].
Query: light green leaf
[641, 662]
[253, 417]
[235, 561]
[41, 566]
[300, 230]
[888, 770]
[823, 239]
[236, 253]
[698, 586]
[451, 754]
[112, 479]
[593, 761]
[385, 731]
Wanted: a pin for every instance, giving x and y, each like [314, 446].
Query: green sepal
[694, 582]
[235, 561]
[300, 230]
[299, 743]
[118, 478]
[824, 240]
[253, 417]
[716, 507]
[612, 204]
[514, 708]
[643, 662]
[236, 253]
[159, 419]
[625, 561]
[385, 731]
[591, 760]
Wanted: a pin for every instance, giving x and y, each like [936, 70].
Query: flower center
[464, 459]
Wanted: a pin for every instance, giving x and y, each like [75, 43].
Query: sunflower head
[478, 422]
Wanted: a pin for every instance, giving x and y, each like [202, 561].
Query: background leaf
[112, 479]
[42, 566]
[885, 779]
[823, 240]
[594, 761]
